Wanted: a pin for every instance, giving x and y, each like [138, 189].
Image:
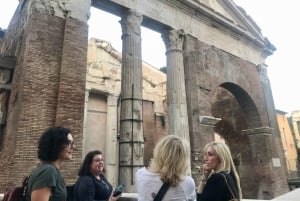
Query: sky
[277, 19]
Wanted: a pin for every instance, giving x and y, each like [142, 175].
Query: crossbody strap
[162, 191]
[232, 194]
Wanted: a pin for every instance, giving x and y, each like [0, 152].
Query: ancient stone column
[131, 118]
[111, 148]
[176, 95]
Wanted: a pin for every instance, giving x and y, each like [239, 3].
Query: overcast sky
[278, 20]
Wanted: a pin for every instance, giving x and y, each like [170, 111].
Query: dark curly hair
[52, 142]
[85, 167]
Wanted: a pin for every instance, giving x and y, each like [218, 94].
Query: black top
[216, 188]
[89, 188]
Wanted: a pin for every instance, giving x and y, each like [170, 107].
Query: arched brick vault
[246, 103]
[208, 69]
[236, 109]
[214, 68]
[221, 85]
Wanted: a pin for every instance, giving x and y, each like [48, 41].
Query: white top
[148, 185]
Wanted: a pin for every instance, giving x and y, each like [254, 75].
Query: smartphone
[119, 190]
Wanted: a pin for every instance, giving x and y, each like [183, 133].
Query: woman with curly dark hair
[45, 182]
[92, 184]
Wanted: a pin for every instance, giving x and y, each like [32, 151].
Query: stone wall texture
[48, 89]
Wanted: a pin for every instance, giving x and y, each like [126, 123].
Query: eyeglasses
[70, 144]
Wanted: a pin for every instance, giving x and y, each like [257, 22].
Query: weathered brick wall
[12, 37]
[209, 71]
[71, 91]
[48, 89]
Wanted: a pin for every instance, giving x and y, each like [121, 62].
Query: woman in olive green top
[45, 182]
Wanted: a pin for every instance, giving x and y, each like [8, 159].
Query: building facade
[216, 70]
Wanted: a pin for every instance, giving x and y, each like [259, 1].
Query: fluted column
[131, 117]
[111, 149]
[176, 95]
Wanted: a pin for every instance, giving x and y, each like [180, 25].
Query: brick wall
[48, 89]
[224, 86]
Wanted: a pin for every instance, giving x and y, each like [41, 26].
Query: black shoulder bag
[162, 191]
[234, 198]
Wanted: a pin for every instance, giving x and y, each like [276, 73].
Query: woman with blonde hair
[170, 164]
[220, 181]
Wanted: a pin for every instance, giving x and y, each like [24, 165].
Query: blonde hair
[226, 161]
[171, 157]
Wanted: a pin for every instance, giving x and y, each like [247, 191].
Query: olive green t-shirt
[47, 175]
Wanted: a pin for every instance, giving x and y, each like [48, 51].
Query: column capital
[131, 23]
[173, 39]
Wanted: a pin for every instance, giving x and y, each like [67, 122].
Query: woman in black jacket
[220, 181]
[92, 184]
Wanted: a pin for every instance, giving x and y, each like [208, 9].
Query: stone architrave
[131, 126]
[176, 94]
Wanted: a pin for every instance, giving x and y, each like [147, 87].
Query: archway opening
[235, 108]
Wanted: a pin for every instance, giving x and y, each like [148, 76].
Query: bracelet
[204, 180]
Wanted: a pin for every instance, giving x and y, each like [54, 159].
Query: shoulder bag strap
[162, 191]
[232, 194]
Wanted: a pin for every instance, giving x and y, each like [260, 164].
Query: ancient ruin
[216, 83]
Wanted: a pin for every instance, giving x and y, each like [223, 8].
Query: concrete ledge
[128, 197]
[124, 197]
[133, 197]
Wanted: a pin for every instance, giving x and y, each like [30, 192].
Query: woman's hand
[206, 172]
[114, 198]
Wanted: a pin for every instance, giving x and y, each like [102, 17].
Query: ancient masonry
[216, 83]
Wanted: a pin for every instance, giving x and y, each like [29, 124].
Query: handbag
[16, 193]
[232, 194]
[162, 191]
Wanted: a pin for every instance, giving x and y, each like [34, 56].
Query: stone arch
[237, 112]
[247, 104]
